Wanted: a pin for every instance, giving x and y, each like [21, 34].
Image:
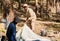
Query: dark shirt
[11, 32]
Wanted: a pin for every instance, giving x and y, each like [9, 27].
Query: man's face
[25, 8]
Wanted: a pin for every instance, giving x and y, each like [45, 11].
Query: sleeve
[32, 14]
[9, 30]
[13, 29]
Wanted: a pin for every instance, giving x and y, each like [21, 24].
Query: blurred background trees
[45, 9]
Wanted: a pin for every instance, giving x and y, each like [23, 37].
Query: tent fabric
[27, 34]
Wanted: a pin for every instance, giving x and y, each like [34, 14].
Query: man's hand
[29, 19]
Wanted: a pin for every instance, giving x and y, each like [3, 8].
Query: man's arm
[32, 14]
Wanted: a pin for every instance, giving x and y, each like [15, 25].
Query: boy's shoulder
[11, 24]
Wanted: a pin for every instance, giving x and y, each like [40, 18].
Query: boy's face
[14, 21]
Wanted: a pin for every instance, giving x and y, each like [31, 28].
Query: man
[11, 31]
[31, 17]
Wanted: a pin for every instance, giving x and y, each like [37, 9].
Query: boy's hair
[16, 20]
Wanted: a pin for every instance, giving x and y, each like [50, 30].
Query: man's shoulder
[29, 9]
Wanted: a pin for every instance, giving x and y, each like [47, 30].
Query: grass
[54, 26]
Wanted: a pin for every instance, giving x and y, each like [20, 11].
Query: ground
[38, 26]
